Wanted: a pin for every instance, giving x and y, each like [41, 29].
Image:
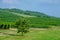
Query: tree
[1, 26]
[5, 27]
[22, 26]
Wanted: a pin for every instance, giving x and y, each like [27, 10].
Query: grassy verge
[48, 34]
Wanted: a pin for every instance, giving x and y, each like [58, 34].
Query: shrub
[1, 26]
[22, 26]
[5, 27]
[8, 26]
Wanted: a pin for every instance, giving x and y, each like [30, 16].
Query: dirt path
[22, 15]
[13, 31]
[38, 28]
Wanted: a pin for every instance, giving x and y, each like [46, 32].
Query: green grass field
[42, 25]
[34, 34]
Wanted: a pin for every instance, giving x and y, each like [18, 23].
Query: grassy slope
[31, 13]
[41, 19]
[23, 15]
[6, 16]
[48, 34]
[11, 15]
[44, 21]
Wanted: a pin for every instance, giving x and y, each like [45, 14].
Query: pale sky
[49, 7]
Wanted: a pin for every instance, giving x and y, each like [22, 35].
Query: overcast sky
[49, 7]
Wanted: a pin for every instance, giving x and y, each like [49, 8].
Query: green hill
[36, 19]
[32, 13]
[6, 16]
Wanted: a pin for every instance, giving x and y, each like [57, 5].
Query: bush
[22, 26]
[1, 26]
[4, 26]
[8, 26]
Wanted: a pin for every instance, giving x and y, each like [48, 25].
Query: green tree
[22, 26]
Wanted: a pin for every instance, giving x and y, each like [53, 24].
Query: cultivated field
[34, 34]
